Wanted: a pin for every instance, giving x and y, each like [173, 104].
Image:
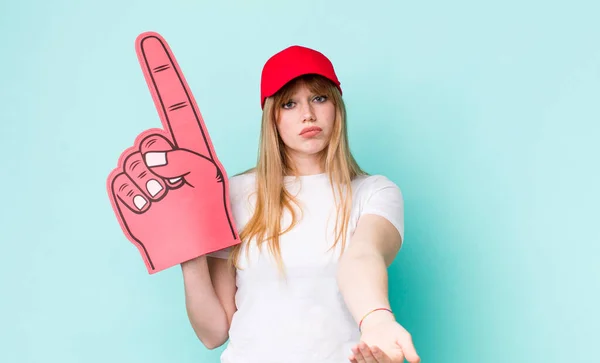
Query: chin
[309, 147]
[311, 151]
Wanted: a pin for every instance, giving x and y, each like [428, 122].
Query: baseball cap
[290, 63]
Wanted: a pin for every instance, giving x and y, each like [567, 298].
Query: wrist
[376, 317]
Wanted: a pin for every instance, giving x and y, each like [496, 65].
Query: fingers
[409, 350]
[357, 356]
[152, 186]
[126, 191]
[181, 164]
[156, 143]
[151, 168]
[379, 355]
[172, 97]
[362, 353]
[366, 353]
[132, 184]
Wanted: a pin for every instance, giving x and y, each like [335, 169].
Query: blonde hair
[274, 163]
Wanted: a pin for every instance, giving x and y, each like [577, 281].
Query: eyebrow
[311, 94]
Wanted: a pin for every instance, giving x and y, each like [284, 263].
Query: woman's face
[305, 123]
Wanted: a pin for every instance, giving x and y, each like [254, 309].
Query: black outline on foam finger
[124, 221]
[150, 72]
[183, 85]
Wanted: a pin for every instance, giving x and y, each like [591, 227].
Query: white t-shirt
[302, 318]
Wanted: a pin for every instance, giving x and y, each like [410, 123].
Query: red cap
[290, 63]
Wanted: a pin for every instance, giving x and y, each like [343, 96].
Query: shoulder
[365, 185]
[242, 184]
[377, 194]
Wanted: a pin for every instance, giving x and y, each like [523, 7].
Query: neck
[307, 165]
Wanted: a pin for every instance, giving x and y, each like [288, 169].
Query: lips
[312, 129]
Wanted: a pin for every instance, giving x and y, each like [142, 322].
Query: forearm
[363, 282]
[205, 312]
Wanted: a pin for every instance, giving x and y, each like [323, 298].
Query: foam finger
[153, 186]
[156, 143]
[171, 94]
[126, 192]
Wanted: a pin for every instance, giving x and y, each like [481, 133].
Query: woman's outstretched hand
[384, 342]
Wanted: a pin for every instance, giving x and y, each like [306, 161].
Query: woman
[309, 281]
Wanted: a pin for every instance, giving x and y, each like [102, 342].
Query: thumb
[177, 163]
[410, 354]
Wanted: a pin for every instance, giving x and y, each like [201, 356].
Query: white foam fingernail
[156, 159]
[175, 180]
[139, 202]
[153, 187]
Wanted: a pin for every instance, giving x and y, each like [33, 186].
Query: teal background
[486, 114]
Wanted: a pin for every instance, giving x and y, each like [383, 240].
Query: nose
[308, 113]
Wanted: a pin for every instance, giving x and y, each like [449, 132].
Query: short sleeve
[224, 253]
[384, 198]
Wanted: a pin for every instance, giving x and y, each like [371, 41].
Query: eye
[288, 105]
[320, 99]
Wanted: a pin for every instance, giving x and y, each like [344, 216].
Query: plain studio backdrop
[486, 114]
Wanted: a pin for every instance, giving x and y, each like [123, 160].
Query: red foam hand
[169, 191]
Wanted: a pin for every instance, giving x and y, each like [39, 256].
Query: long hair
[273, 163]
